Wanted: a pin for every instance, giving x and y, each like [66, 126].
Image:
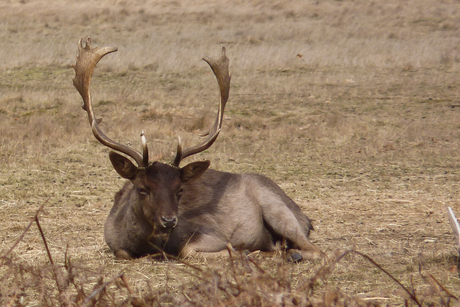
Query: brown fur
[248, 211]
[190, 210]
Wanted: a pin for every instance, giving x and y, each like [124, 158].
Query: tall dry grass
[243, 281]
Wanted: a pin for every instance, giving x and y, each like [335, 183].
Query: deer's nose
[168, 222]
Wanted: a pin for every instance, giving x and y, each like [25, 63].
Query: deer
[191, 210]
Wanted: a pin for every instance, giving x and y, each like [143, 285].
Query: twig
[373, 298]
[125, 281]
[325, 269]
[232, 266]
[56, 272]
[411, 294]
[456, 228]
[102, 287]
[23, 233]
[14, 298]
[181, 260]
[436, 288]
[443, 288]
[135, 301]
[44, 240]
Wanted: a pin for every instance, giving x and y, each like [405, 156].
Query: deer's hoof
[295, 257]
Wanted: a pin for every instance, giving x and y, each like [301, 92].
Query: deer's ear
[123, 165]
[193, 170]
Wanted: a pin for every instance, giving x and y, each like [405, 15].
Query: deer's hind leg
[286, 220]
[195, 252]
[204, 246]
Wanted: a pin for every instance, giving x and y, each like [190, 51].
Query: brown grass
[243, 281]
[350, 106]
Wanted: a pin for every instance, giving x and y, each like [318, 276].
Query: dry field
[350, 106]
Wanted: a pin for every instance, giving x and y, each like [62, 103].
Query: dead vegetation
[350, 106]
[239, 281]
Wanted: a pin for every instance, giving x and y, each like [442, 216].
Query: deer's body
[190, 210]
[248, 211]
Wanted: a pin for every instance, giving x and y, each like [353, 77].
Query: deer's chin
[159, 233]
[159, 228]
[166, 229]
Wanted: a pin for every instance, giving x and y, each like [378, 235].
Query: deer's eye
[142, 192]
[179, 193]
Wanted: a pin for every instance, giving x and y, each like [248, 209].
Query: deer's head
[157, 187]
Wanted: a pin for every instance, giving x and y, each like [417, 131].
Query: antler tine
[87, 60]
[220, 70]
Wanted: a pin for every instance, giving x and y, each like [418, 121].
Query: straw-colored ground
[350, 106]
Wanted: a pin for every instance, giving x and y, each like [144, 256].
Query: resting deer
[191, 210]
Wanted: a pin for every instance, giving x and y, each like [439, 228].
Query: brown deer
[191, 210]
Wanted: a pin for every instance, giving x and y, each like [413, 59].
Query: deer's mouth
[160, 234]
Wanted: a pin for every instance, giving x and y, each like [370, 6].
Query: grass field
[352, 107]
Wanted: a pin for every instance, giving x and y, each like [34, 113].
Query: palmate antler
[87, 60]
[220, 70]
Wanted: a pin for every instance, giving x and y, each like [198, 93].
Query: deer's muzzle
[168, 222]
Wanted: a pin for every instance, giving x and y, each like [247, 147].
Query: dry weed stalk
[241, 282]
[20, 279]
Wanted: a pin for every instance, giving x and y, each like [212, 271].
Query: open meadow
[352, 107]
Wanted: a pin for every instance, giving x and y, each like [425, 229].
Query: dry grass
[350, 106]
